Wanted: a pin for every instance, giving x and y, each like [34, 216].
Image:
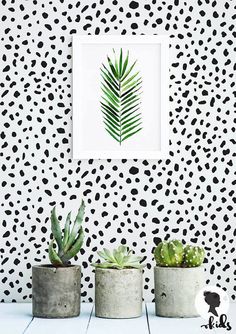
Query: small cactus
[193, 256]
[169, 254]
[70, 242]
[120, 258]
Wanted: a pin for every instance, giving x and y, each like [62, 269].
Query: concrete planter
[176, 289]
[56, 291]
[118, 293]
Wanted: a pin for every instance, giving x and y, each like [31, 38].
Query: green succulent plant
[120, 258]
[169, 253]
[68, 243]
[193, 256]
[174, 254]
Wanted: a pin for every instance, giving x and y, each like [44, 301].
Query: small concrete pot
[118, 293]
[176, 289]
[56, 291]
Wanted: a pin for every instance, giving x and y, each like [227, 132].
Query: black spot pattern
[190, 196]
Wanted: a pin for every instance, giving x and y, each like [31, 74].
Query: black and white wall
[189, 196]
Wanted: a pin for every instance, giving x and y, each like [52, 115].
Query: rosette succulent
[193, 256]
[169, 253]
[120, 258]
[68, 242]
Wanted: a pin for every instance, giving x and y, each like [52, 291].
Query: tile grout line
[148, 325]
[28, 325]
[90, 316]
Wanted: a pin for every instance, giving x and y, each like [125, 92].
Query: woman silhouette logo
[213, 300]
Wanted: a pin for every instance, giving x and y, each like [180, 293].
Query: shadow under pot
[118, 293]
[176, 289]
[56, 291]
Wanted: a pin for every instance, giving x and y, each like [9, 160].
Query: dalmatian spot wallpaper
[188, 196]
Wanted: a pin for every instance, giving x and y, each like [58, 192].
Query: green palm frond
[121, 97]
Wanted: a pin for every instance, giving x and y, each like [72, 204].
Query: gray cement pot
[56, 291]
[176, 289]
[118, 293]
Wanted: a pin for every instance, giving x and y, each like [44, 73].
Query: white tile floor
[17, 319]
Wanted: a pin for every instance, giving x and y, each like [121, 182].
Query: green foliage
[68, 243]
[169, 254]
[121, 97]
[174, 254]
[193, 256]
[120, 258]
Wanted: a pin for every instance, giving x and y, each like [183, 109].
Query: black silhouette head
[213, 300]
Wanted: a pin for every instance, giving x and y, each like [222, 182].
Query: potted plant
[56, 287]
[118, 284]
[178, 275]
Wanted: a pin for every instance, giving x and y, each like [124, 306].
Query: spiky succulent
[193, 256]
[69, 243]
[120, 258]
[169, 254]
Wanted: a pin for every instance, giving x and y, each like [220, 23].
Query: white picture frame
[90, 140]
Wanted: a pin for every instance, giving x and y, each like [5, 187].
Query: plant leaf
[120, 63]
[131, 134]
[130, 79]
[114, 90]
[129, 119]
[111, 128]
[128, 72]
[111, 106]
[109, 78]
[103, 255]
[111, 123]
[113, 69]
[131, 123]
[109, 96]
[129, 114]
[110, 116]
[130, 104]
[130, 90]
[113, 136]
[66, 230]
[53, 257]
[130, 128]
[131, 84]
[125, 64]
[116, 64]
[76, 227]
[111, 93]
[108, 108]
[109, 254]
[127, 110]
[75, 248]
[111, 103]
[120, 99]
[56, 229]
[123, 249]
[126, 96]
[133, 98]
[104, 265]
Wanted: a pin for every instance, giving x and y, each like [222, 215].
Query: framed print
[120, 97]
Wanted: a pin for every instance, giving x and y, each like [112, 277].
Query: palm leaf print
[120, 100]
